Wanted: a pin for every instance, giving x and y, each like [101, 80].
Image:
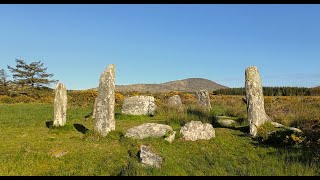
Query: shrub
[6, 99]
[82, 98]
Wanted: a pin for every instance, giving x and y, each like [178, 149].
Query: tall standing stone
[60, 105]
[104, 115]
[255, 101]
[204, 99]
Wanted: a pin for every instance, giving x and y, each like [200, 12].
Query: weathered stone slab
[139, 105]
[196, 130]
[148, 158]
[60, 105]
[255, 101]
[104, 115]
[203, 99]
[148, 130]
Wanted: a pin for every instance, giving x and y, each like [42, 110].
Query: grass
[28, 147]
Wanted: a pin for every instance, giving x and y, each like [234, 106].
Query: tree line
[273, 91]
[25, 76]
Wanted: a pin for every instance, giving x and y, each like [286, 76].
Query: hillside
[185, 85]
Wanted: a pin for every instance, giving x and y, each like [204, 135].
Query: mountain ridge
[184, 85]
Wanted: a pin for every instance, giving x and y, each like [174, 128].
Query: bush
[16, 99]
[6, 99]
[279, 137]
[82, 98]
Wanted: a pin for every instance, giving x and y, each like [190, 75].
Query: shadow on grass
[88, 115]
[49, 124]
[81, 128]
[244, 129]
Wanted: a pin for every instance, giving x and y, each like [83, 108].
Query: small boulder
[148, 130]
[171, 136]
[148, 158]
[227, 122]
[195, 130]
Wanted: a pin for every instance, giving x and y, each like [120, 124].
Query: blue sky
[159, 43]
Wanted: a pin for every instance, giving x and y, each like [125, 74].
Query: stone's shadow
[81, 128]
[244, 129]
[49, 124]
[89, 115]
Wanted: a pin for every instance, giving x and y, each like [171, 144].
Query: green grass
[27, 147]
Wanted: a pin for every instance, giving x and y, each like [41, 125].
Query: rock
[277, 125]
[204, 99]
[294, 129]
[94, 108]
[171, 137]
[139, 105]
[175, 101]
[255, 101]
[60, 105]
[149, 158]
[226, 122]
[104, 115]
[59, 153]
[195, 130]
[148, 130]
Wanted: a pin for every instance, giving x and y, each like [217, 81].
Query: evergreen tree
[3, 78]
[31, 75]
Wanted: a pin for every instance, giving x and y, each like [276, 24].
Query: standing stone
[255, 101]
[139, 105]
[94, 108]
[175, 101]
[204, 99]
[60, 105]
[104, 115]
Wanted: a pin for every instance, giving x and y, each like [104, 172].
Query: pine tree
[3, 78]
[31, 75]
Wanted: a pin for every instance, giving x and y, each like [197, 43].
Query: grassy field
[28, 147]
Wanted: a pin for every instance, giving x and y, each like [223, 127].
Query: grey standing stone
[175, 101]
[104, 115]
[255, 101]
[139, 105]
[60, 105]
[149, 158]
[204, 99]
[195, 130]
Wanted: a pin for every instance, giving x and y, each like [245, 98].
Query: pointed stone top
[109, 70]
[111, 66]
[60, 85]
[251, 67]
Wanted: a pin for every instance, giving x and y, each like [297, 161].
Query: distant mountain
[185, 85]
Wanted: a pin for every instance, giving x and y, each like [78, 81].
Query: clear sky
[159, 43]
